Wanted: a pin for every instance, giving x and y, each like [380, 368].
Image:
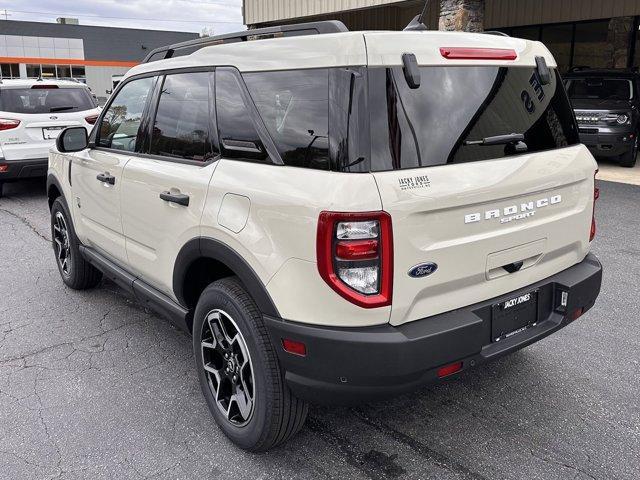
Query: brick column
[618, 37]
[462, 15]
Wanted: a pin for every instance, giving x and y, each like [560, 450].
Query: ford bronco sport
[334, 216]
[606, 105]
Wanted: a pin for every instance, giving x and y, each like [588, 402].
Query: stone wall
[618, 37]
[462, 15]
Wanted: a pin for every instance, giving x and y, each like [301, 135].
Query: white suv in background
[32, 114]
[335, 218]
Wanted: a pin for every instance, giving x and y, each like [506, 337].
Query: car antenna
[417, 24]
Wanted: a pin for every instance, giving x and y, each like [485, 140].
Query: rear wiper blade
[60, 109]
[498, 140]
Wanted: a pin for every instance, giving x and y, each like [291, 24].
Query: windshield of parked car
[599, 88]
[45, 100]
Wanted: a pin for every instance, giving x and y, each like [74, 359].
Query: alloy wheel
[62, 244]
[228, 367]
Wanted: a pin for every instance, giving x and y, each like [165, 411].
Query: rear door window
[120, 125]
[43, 99]
[432, 125]
[294, 106]
[183, 123]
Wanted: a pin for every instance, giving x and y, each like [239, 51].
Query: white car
[32, 114]
[335, 218]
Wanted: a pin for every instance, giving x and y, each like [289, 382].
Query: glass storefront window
[10, 70]
[33, 71]
[557, 38]
[78, 71]
[592, 46]
[48, 71]
[64, 71]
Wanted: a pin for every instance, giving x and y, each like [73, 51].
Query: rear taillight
[91, 119]
[8, 124]
[355, 256]
[464, 53]
[596, 196]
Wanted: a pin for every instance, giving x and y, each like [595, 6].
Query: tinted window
[431, 125]
[45, 100]
[121, 122]
[182, 123]
[294, 106]
[600, 88]
[238, 136]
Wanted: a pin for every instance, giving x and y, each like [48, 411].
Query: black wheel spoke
[62, 244]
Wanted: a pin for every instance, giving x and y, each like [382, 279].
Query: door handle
[106, 178]
[179, 198]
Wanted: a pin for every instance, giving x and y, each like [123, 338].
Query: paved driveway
[92, 385]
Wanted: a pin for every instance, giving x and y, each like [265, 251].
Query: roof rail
[495, 32]
[295, 30]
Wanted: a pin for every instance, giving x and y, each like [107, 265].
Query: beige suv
[334, 216]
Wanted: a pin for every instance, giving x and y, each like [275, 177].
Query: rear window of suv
[45, 100]
[432, 124]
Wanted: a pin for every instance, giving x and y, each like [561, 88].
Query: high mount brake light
[44, 87]
[355, 256]
[464, 53]
[596, 196]
[8, 123]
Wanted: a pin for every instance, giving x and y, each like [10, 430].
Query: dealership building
[594, 33]
[94, 55]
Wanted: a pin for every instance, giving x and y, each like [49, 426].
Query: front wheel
[628, 159]
[75, 271]
[239, 372]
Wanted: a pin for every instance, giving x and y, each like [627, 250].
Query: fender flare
[52, 180]
[214, 249]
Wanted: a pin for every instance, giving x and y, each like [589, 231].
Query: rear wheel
[628, 159]
[75, 271]
[239, 372]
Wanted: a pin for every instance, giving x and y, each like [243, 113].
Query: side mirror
[72, 139]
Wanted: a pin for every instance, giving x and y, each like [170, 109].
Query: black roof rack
[495, 32]
[296, 30]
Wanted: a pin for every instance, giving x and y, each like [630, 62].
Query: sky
[216, 16]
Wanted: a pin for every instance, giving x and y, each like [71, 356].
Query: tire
[628, 159]
[226, 311]
[75, 271]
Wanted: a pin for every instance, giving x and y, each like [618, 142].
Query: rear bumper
[354, 365]
[27, 168]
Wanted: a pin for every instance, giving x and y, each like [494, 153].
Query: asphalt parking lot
[94, 386]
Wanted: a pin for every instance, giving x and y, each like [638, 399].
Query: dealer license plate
[514, 316]
[51, 133]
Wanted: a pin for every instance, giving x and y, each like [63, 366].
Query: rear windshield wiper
[60, 109]
[498, 140]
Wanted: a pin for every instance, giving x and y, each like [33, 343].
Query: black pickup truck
[606, 104]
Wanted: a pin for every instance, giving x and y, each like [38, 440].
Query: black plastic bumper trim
[355, 365]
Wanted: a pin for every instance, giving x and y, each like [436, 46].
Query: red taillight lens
[4, 167]
[596, 196]
[8, 123]
[294, 347]
[357, 250]
[355, 256]
[449, 369]
[91, 119]
[458, 53]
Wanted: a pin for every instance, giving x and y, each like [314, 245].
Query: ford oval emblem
[423, 270]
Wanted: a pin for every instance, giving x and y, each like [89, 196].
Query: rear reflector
[463, 53]
[577, 313]
[449, 369]
[4, 167]
[294, 347]
[357, 250]
[8, 124]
